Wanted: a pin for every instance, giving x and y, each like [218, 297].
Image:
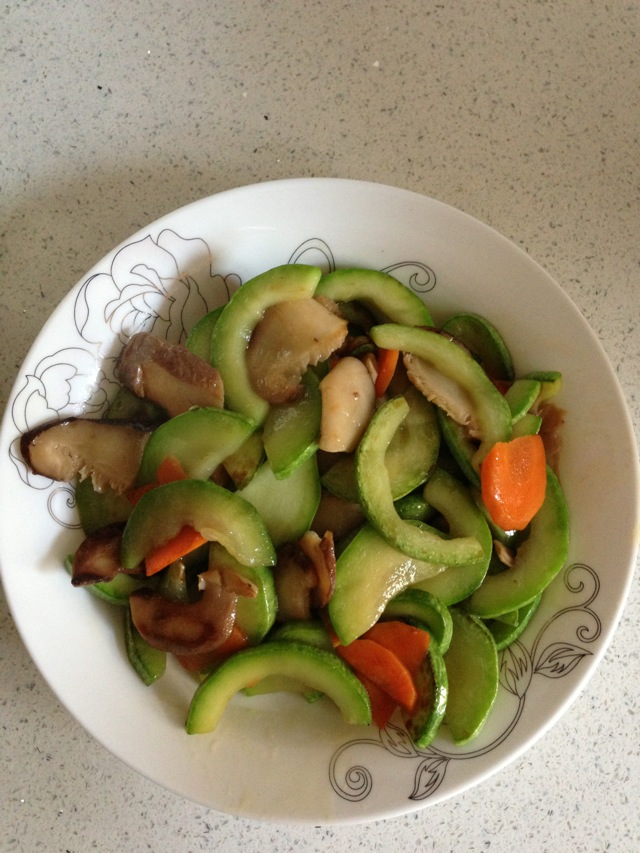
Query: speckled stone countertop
[523, 114]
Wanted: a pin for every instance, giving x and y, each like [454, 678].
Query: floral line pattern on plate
[549, 655]
[164, 286]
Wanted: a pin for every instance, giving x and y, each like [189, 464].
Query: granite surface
[523, 114]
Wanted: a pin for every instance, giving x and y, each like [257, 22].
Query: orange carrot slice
[185, 541]
[382, 705]
[513, 479]
[384, 668]
[169, 470]
[408, 643]
[387, 362]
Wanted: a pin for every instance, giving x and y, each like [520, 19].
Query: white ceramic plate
[277, 758]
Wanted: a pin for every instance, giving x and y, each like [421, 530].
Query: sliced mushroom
[443, 391]
[294, 578]
[108, 452]
[305, 576]
[348, 404]
[506, 556]
[98, 556]
[322, 554]
[185, 629]
[169, 375]
[290, 337]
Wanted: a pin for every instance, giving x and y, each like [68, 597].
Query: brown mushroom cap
[106, 451]
[290, 337]
[185, 628]
[98, 556]
[169, 375]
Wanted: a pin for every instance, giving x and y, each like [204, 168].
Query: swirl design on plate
[162, 285]
[551, 653]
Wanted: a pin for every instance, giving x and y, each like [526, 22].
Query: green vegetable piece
[550, 382]
[291, 430]
[432, 684]
[149, 663]
[503, 633]
[174, 583]
[528, 424]
[491, 409]
[386, 297]
[369, 573]
[282, 684]
[419, 606]
[254, 616]
[286, 506]
[410, 457]
[521, 395]
[460, 446]
[126, 406]
[455, 502]
[98, 509]
[413, 507]
[374, 488]
[199, 338]
[242, 465]
[237, 321]
[484, 342]
[538, 560]
[313, 633]
[217, 514]
[317, 668]
[473, 673]
[199, 439]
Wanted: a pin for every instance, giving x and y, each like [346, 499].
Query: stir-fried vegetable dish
[322, 492]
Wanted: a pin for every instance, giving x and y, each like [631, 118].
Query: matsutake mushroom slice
[443, 391]
[169, 375]
[185, 628]
[348, 404]
[106, 451]
[290, 337]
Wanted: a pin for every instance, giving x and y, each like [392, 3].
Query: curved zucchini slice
[473, 671]
[411, 455]
[149, 663]
[491, 409]
[376, 497]
[317, 668]
[238, 320]
[291, 430]
[449, 497]
[199, 338]
[538, 560]
[506, 633]
[432, 683]
[484, 341]
[428, 612]
[286, 506]
[369, 573]
[384, 295]
[200, 439]
[217, 514]
[98, 509]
